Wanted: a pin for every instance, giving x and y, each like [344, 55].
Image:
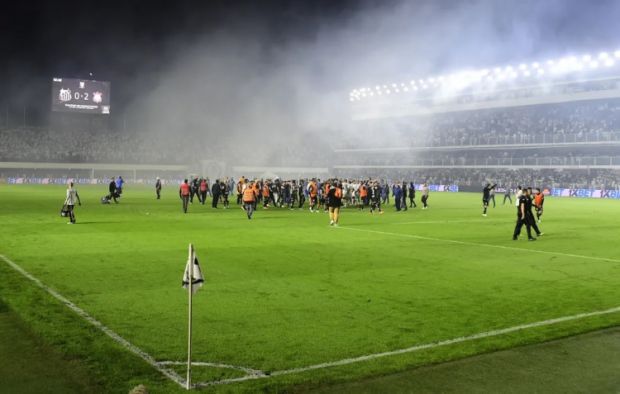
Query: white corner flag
[197, 278]
[192, 281]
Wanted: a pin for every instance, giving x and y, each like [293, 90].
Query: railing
[522, 139]
[562, 161]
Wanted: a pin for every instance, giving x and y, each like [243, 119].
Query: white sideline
[172, 375]
[415, 348]
[452, 241]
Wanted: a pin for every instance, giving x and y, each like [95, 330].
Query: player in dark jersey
[522, 218]
[375, 198]
[486, 195]
[158, 188]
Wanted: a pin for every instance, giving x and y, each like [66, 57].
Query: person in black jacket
[486, 195]
[215, 192]
[411, 193]
[112, 189]
[158, 188]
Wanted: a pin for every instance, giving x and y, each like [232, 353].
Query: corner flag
[197, 279]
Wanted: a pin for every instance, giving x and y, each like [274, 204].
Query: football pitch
[291, 302]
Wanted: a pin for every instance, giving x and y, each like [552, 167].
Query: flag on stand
[196, 274]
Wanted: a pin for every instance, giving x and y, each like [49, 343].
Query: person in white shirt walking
[72, 198]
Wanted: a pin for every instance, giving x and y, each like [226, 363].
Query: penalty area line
[172, 375]
[466, 243]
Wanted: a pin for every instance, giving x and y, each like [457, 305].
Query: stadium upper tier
[572, 125]
[571, 78]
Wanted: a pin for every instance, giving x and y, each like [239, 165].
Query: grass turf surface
[285, 291]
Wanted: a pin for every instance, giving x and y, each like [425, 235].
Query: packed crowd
[43, 145]
[472, 179]
[590, 121]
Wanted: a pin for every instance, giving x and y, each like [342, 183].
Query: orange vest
[313, 189]
[184, 189]
[363, 191]
[338, 192]
[538, 200]
[265, 191]
[248, 195]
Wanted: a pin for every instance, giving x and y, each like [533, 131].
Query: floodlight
[609, 62]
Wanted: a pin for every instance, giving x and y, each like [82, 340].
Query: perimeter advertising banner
[585, 193]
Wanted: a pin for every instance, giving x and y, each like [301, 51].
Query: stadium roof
[572, 67]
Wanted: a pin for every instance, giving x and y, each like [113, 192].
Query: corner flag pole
[190, 263]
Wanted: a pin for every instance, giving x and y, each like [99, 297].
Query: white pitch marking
[247, 370]
[451, 221]
[415, 348]
[482, 244]
[172, 375]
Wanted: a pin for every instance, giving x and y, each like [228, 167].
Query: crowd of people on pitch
[292, 194]
[473, 178]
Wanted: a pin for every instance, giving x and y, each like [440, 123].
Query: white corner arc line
[172, 375]
[249, 371]
[481, 244]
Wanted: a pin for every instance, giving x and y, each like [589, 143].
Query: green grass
[587, 363]
[285, 290]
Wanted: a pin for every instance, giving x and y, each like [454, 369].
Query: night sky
[131, 43]
[127, 40]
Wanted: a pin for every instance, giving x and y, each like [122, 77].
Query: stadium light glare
[522, 66]
[541, 71]
[609, 63]
[594, 64]
[603, 55]
[617, 53]
[387, 92]
[526, 73]
[586, 58]
[535, 65]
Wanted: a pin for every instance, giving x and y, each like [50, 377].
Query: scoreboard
[80, 95]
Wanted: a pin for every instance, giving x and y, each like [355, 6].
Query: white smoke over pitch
[255, 101]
